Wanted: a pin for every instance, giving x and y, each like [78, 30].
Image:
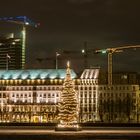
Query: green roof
[35, 74]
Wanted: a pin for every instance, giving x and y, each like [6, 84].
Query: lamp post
[84, 52]
[7, 61]
[56, 60]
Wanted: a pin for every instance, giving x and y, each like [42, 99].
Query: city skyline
[67, 24]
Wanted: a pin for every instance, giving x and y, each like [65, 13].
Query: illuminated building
[88, 95]
[33, 96]
[30, 95]
[10, 53]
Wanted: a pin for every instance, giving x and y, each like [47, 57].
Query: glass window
[90, 95]
[90, 100]
[90, 109]
[101, 95]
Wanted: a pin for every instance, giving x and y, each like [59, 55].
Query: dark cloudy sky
[67, 24]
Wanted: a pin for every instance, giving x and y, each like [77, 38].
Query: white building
[33, 95]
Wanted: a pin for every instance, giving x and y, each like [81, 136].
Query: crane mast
[110, 52]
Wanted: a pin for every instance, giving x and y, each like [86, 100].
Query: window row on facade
[31, 82]
[10, 88]
[32, 109]
[87, 95]
[89, 101]
[88, 88]
[116, 95]
[118, 88]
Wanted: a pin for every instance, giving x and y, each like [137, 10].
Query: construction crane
[84, 52]
[54, 59]
[110, 52]
[24, 21]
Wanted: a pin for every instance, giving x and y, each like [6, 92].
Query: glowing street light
[56, 60]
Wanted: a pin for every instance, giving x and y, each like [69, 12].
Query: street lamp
[56, 60]
[7, 61]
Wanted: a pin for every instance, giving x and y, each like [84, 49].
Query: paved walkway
[82, 132]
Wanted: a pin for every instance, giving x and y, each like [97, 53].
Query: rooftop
[35, 74]
[90, 73]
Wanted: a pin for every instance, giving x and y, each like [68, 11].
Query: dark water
[53, 137]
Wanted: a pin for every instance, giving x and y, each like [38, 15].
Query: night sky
[67, 24]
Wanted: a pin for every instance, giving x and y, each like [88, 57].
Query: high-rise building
[10, 53]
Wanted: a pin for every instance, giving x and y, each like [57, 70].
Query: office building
[10, 53]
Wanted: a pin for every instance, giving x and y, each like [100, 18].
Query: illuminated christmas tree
[68, 105]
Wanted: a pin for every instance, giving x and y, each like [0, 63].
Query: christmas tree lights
[68, 105]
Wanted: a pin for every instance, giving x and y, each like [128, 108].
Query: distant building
[11, 53]
[118, 103]
[33, 95]
[120, 78]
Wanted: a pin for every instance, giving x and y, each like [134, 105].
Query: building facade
[88, 95]
[33, 96]
[30, 95]
[118, 103]
[10, 53]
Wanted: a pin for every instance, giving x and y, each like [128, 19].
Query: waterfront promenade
[28, 133]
